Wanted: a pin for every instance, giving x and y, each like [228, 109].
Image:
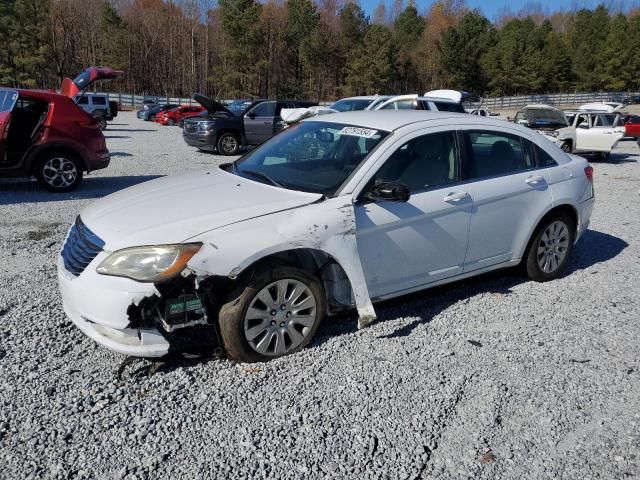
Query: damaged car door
[406, 242]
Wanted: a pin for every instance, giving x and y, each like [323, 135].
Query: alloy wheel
[280, 317]
[229, 144]
[59, 172]
[553, 246]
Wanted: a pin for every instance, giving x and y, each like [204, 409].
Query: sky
[490, 8]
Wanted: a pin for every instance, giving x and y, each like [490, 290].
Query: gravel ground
[496, 377]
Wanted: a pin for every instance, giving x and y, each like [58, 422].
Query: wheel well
[36, 156]
[315, 262]
[565, 208]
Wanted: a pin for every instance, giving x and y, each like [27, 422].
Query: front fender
[328, 226]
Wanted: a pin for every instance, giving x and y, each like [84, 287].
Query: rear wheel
[275, 313]
[59, 171]
[228, 144]
[152, 118]
[550, 248]
[604, 156]
[181, 123]
[102, 123]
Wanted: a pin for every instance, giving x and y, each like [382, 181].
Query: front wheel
[59, 172]
[228, 144]
[275, 313]
[550, 248]
[566, 147]
[181, 123]
[171, 122]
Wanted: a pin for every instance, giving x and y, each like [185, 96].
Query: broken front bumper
[98, 305]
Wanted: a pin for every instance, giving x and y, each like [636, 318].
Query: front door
[8, 99]
[409, 244]
[509, 194]
[259, 122]
[594, 135]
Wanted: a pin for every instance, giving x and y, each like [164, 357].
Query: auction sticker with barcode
[358, 132]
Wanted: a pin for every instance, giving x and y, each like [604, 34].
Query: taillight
[588, 171]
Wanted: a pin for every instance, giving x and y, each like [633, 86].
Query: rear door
[509, 193]
[8, 99]
[259, 122]
[594, 135]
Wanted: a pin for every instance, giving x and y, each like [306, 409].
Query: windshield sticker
[358, 132]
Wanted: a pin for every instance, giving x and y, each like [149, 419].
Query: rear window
[350, 105]
[449, 107]
[8, 99]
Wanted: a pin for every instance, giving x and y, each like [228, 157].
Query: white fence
[496, 103]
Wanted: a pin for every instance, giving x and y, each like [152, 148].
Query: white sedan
[337, 212]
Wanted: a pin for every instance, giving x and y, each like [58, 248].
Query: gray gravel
[495, 377]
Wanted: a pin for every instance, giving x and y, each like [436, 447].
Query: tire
[59, 171]
[566, 146]
[228, 144]
[152, 118]
[171, 122]
[550, 247]
[274, 329]
[102, 123]
[604, 156]
[181, 123]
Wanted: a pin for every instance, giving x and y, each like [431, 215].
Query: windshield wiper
[263, 175]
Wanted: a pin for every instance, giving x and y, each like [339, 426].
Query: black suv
[243, 122]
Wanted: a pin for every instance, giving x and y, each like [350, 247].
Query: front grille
[81, 247]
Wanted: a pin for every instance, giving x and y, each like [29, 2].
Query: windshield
[545, 116]
[238, 107]
[314, 157]
[350, 105]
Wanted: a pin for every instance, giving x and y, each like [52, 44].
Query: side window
[583, 120]
[424, 162]
[264, 109]
[83, 101]
[496, 153]
[404, 105]
[544, 159]
[99, 101]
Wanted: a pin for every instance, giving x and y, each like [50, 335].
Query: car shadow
[117, 136]
[26, 191]
[120, 154]
[593, 248]
[130, 130]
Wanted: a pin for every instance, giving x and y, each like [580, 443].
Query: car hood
[176, 208]
[210, 104]
[70, 88]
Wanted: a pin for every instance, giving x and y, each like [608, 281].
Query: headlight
[149, 264]
[556, 133]
[207, 126]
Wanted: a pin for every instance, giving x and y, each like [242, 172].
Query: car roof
[390, 120]
[438, 99]
[364, 97]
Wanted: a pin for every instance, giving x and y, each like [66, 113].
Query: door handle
[534, 180]
[267, 123]
[456, 197]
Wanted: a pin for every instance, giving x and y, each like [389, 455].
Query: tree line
[317, 49]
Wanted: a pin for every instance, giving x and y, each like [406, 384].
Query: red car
[46, 135]
[176, 116]
[632, 127]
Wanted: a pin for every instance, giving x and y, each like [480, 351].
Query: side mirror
[584, 126]
[388, 191]
[251, 115]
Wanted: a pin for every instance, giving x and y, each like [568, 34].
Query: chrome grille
[80, 248]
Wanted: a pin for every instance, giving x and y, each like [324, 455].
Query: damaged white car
[336, 212]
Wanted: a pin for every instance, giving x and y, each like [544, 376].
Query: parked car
[351, 104]
[227, 129]
[98, 106]
[596, 132]
[340, 211]
[46, 135]
[176, 116]
[549, 122]
[606, 107]
[415, 102]
[154, 110]
[631, 100]
[632, 127]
